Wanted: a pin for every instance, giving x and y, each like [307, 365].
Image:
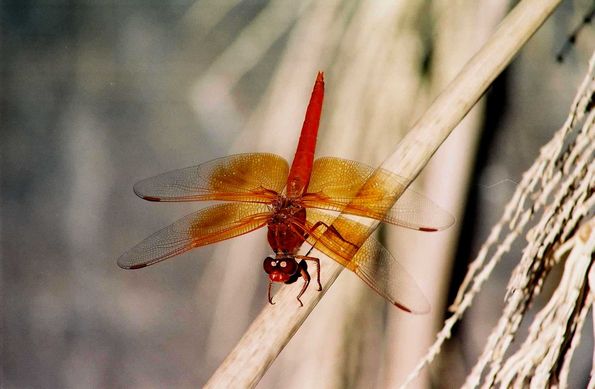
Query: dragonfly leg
[306, 277]
[317, 263]
[269, 294]
[333, 230]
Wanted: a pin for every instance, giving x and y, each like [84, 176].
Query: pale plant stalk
[204, 15]
[565, 183]
[591, 278]
[243, 53]
[560, 183]
[560, 320]
[457, 31]
[275, 326]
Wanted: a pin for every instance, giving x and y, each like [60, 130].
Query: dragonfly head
[281, 269]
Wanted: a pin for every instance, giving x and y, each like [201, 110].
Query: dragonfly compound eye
[288, 266]
[269, 265]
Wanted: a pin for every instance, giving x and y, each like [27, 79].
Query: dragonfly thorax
[285, 204]
[286, 227]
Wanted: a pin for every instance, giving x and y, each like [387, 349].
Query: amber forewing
[252, 177]
[354, 188]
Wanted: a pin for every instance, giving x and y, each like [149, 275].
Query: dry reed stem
[559, 321]
[203, 16]
[565, 198]
[249, 47]
[591, 278]
[560, 183]
[275, 326]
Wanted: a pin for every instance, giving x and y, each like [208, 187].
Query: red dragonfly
[297, 204]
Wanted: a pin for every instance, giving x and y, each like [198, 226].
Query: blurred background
[96, 95]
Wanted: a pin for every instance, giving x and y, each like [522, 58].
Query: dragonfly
[302, 203]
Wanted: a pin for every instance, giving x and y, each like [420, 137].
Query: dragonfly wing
[383, 273]
[354, 188]
[347, 242]
[252, 177]
[209, 225]
[417, 212]
[335, 182]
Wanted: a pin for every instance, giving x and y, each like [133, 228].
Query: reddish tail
[301, 169]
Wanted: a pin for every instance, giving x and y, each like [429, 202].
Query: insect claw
[269, 294]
